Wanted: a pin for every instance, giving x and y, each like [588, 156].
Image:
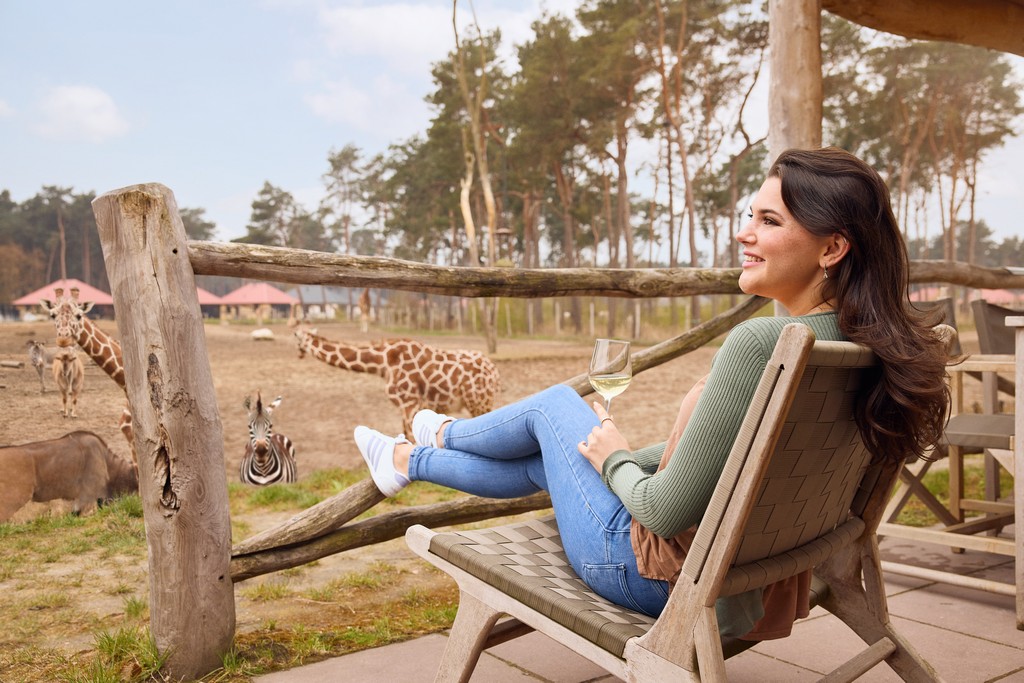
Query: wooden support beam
[993, 24]
[794, 87]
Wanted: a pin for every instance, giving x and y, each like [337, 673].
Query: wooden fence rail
[301, 267]
[178, 435]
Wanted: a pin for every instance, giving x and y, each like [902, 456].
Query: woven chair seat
[526, 561]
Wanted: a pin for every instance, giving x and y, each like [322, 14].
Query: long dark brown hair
[831, 191]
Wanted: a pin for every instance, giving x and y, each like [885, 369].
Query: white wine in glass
[611, 369]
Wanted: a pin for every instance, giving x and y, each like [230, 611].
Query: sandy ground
[321, 405]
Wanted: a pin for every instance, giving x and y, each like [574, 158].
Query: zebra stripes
[269, 458]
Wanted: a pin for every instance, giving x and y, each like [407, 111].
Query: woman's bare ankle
[440, 433]
[401, 458]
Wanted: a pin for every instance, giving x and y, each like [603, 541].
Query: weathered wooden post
[178, 433]
[794, 84]
[794, 90]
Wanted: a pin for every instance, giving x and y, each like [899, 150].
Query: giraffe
[364, 311]
[417, 376]
[69, 376]
[68, 315]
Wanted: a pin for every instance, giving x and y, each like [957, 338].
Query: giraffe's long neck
[349, 357]
[103, 349]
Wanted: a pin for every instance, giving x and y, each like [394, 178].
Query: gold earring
[825, 268]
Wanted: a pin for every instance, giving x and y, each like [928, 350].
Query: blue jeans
[530, 446]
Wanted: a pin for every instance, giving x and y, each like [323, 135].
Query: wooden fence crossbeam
[383, 527]
[303, 267]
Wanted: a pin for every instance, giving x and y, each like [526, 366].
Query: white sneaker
[378, 451]
[425, 426]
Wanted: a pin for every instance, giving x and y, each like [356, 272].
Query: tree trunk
[474, 105]
[178, 433]
[63, 245]
[613, 252]
[566, 192]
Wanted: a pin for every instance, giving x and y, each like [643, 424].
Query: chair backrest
[796, 469]
[993, 334]
[947, 316]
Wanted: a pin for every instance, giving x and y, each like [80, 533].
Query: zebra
[269, 457]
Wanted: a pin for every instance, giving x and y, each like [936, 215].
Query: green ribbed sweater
[674, 499]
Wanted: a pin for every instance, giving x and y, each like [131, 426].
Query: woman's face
[781, 259]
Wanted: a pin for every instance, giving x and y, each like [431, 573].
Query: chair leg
[857, 597]
[473, 622]
[956, 482]
[708, 643]
[910, 474]
[992, 485]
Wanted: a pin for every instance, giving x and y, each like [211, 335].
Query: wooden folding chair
[798, 491]
[990, 432]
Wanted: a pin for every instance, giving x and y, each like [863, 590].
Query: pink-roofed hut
[103, 302]
[29, 304]
[258, 300]
[209, 303]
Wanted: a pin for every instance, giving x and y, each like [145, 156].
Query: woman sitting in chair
[822, 241]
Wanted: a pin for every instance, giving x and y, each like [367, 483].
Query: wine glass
[611, 369]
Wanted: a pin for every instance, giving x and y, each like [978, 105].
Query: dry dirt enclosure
[320, 407]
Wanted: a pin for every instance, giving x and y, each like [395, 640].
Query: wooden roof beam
[993, 24]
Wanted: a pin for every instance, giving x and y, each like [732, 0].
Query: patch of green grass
[50, 600]
[235, 666]
[283, 497]
[136, 608]
[43, 524]
[308, 642]
[9, 565]
[914, 513]
[68, 545]
[269, 649]
[302, 494]
[128, 646]
[267, 591]
[331, 481]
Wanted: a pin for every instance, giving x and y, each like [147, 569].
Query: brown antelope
[69, 375]
[78, 467]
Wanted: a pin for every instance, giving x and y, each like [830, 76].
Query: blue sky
[214, 97]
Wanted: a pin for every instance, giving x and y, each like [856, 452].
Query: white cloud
[384, 107]
[79, 113]
[412, 34]
[406, 36]
[6, 110]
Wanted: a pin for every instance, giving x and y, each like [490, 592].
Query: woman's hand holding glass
[611, 369]
[603, 440]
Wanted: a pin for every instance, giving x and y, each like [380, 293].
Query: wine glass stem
[608, 405]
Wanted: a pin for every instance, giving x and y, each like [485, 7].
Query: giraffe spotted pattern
[417, 376]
